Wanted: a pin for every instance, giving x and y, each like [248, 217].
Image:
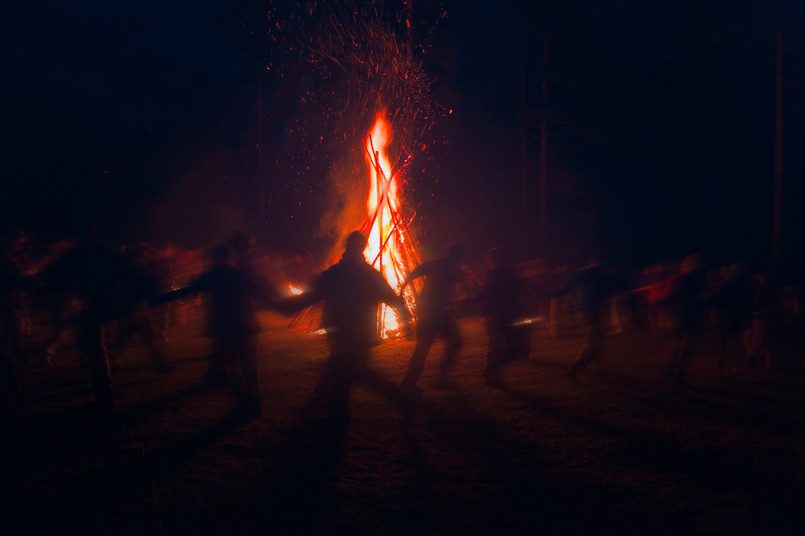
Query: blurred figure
[140, 319]
[501, 298]
[435, 316]
[108, 288]
[159, 262]
[595, 287]
[65, 311]
[243, 247]
[687, 303]
[351, 291]
[734, 307]
[10, 347]
[187, 266]
[764, 341]
[655, 286]
[233, 325]
[61, 308]
[20, 254]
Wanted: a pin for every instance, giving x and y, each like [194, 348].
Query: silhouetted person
[19, 253]
[734, 305]
[233, 325]
[766, 322]
[596, 286]
[159, 262]
[108, 288]
[10, 347]
[687, 303]
[351, 291]
[140, 319]
[435, 315]
[502, 304]
[243, 247]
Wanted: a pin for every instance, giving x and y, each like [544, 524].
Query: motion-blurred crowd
[80, 296]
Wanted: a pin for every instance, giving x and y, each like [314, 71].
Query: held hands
[406, 330]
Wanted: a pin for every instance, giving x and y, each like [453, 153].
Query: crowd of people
[104, 296]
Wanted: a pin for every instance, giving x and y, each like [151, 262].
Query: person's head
[498, 257]
[455, 252]
[692, 263]
[240, 241]
[356, 243]
[220, 255]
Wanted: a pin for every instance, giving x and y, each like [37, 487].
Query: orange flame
[385, 248]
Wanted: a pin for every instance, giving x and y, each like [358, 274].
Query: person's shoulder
[332, 270]
[332, 273]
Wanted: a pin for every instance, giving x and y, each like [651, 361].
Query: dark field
[614, 451]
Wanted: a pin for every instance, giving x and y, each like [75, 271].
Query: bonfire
[390, 248]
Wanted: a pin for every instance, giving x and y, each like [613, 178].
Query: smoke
[346, 211]
[204, 205]
[345, 63]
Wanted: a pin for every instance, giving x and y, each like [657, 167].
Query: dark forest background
[653, 128]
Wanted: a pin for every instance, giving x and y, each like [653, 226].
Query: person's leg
[683, 356]
[93, 345]
[145, 328]
[251, 377]
[426, 333]
[216, 374]
[338, 403]
[588, 353]
[7, 367]
[494, 353]
[454, 342]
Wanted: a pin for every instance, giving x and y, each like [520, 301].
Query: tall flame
[385, 248]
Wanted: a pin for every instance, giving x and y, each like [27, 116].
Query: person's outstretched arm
[419, 271]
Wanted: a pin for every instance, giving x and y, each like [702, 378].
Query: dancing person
[108, 288]
[435, 315]
[351, 291]
[596, 284]
[140, 319]
[10, 347]
[232, 323]
[687, 303]
[501, 299]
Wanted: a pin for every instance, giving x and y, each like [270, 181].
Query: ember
[294, 290]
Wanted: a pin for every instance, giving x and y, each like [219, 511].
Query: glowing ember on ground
[294, 290]
[389, 248]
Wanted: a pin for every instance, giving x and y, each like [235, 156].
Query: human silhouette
[734, 306]
[232, 323]
[687, 300]
[140, 319]
[10, 282]
[107, 288]
[351, 291]
[596, 285]
[243, 247]
[20, 254]
[160, 261]
[502, 304]
[435, 315]
[767, 322]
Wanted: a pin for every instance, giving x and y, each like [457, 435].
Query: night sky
[144, 118]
